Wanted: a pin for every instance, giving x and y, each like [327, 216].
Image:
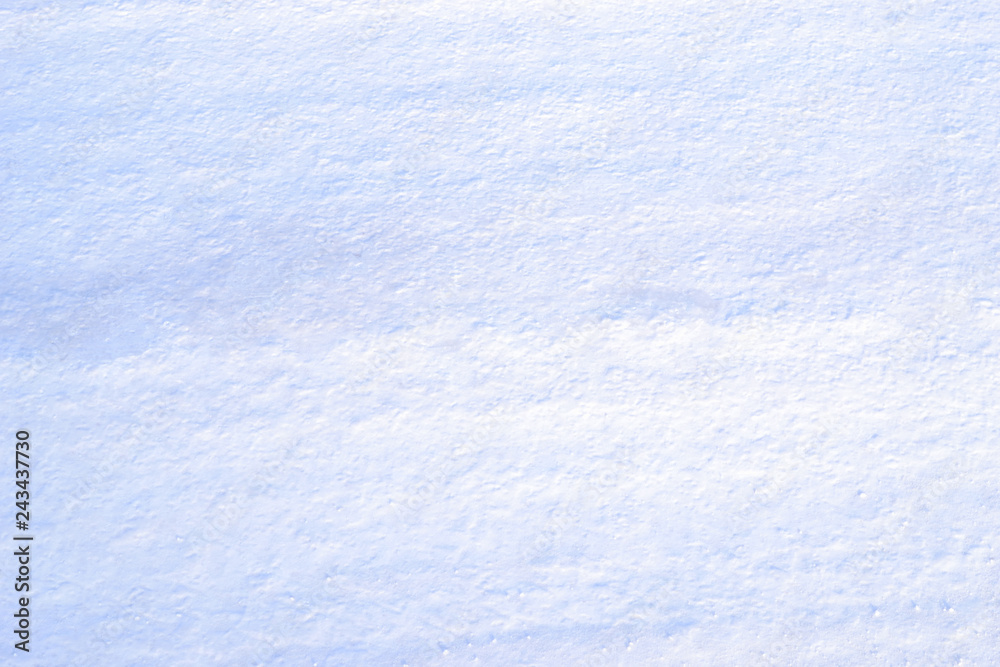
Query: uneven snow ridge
[547, 333]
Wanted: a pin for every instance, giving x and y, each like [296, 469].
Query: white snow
[514, 333]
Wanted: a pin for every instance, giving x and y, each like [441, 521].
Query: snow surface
[543, 333]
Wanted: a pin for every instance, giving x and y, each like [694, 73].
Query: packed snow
[549, 333]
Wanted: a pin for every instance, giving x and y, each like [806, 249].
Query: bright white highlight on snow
[542, 333]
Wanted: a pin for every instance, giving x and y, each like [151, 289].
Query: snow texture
[552, 332]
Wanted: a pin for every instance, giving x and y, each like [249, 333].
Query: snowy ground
[545, 333]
